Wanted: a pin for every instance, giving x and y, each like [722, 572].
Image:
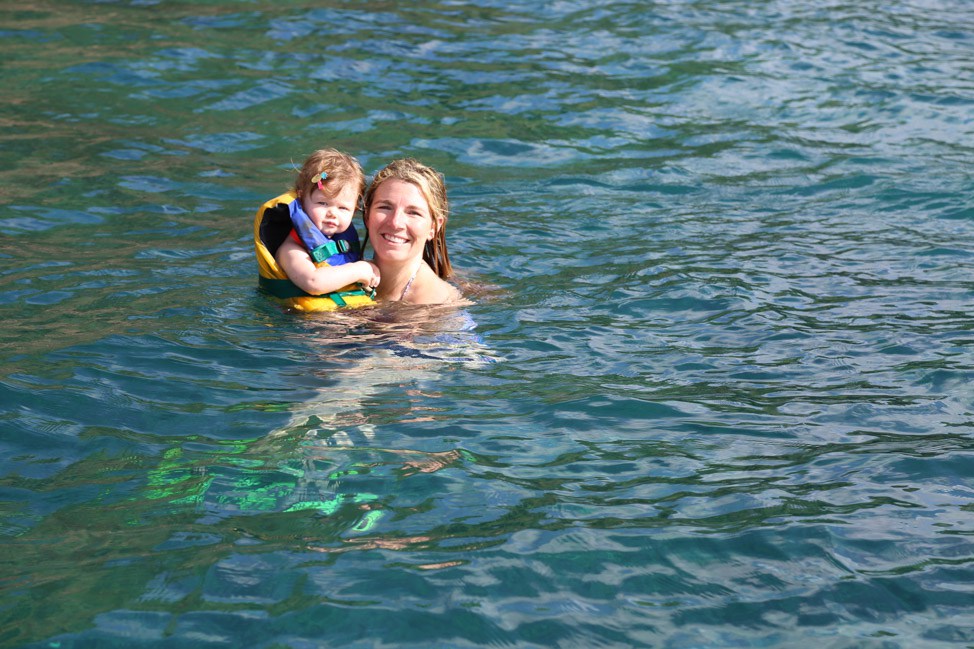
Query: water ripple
[713, 390]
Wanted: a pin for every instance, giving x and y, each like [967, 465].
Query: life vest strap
[338, 297]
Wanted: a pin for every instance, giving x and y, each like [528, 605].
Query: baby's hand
[370, 274]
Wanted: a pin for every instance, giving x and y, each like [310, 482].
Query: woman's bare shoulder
[454, 295]
[432, 289]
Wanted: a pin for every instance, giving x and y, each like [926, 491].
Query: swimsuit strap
[409, 284]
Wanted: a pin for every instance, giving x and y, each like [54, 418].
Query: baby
[322, 253]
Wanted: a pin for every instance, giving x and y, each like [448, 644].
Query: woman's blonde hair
[337, 169]
[433, 187]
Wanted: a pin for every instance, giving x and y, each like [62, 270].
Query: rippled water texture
[715, 390]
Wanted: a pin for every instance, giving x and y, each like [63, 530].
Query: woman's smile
[399, 219]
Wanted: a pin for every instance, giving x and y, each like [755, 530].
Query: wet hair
[339, 169]
[433, 187]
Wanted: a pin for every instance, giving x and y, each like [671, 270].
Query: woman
[405, 213]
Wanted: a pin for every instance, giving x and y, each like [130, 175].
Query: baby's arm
[317, 280]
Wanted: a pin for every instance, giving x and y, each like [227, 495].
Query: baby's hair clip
[317, 178]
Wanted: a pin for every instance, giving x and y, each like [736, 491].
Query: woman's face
[399, 221]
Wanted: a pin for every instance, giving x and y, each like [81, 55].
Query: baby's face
[331, 215]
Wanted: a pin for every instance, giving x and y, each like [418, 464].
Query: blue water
[714, 390]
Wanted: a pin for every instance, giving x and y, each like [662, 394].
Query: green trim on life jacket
[285, 289]
[329, 249]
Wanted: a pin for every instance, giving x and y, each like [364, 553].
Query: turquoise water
[715, 390]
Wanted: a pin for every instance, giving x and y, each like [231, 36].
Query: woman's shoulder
[435, 290]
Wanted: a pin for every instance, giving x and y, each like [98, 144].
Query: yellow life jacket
[272, 226]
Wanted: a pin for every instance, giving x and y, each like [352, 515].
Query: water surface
[715, 390]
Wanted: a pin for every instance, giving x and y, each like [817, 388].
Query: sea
[713, 387]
